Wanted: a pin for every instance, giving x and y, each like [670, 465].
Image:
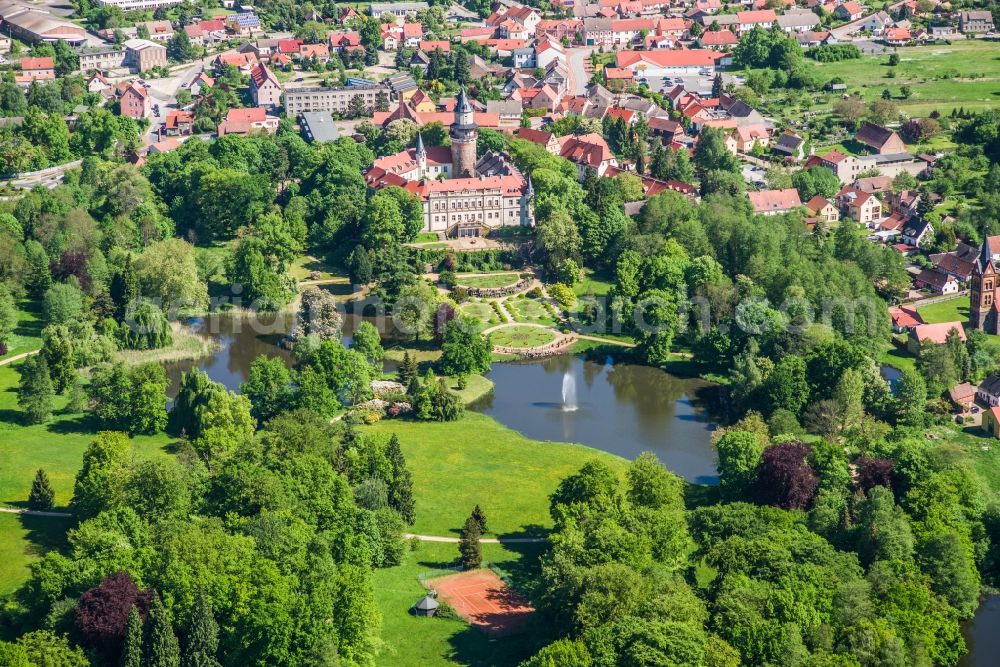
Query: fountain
[568, 392]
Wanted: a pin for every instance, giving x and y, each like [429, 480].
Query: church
[983, 292]
[462, 196]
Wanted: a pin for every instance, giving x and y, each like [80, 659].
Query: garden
[521, 336]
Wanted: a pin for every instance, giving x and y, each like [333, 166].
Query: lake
[621, 408]
[624, 409]
[982, 636]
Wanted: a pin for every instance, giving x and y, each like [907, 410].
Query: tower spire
[420, 144]
[985, 254]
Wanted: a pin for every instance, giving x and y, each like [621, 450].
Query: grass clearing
[23, 540]
[186, 345]
[478, 460]
[521, 336]
[487, 280]
[28, 332]
[898, 357]
[412, 641]
[952, 310]
[302, 268]
[965, 74]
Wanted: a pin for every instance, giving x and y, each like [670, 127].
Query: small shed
[426, 606]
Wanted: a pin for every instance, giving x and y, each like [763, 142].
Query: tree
[8, 318]
[465, 351]
[784, 478]
[268, 388]
[401, 488]
[132, 645]
[947, 560]
[319, 316]
[911, 398]
[202, 644]
[62, 304]
[44, 647]
[561, 653]
[145, 327]
[787, 388]
[408, 371]
[883, 532]
[711, 153]
[35, 395]
[739, 456]
[159, 645]
[101, 480]
[367, 342]
[168, 273]
[39, 277]
[480, 517]
[130, 399]
[815, 181]
[469, 547]
[180, 47]
[102, 613]
[42, 496]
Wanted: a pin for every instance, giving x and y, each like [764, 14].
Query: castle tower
[464, 134]
[421, 154]
[982, 292]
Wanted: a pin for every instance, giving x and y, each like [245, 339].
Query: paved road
[579, 77]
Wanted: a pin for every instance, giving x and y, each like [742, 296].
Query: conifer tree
[401, 489]
[34, 393]
[132, 646]
[407, 369]
[41, 497]
[468, 546]
[202, 637]
[159, 645]
[480, 516]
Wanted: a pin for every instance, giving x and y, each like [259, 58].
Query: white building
[138, 5]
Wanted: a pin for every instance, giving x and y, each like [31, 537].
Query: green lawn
[900, 358]
[23, 539]
[971, 446]
[57, 447]
[477, 460]
[411, 641]
[592, 284]
[952, 310]
[28, 333]
[963, 74]
[481, 311]
[491, 280]
[517, 335]
[524, 309]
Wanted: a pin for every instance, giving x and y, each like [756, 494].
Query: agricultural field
[963, 74]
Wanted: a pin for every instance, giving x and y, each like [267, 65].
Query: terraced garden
[522, 336]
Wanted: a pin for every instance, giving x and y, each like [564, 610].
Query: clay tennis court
[484, 600]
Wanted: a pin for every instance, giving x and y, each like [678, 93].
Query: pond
[624, 409]
[621, 408]
[981, 635]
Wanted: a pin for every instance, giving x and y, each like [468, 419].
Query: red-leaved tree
[784, 478]
[102, 613]
[871, 471]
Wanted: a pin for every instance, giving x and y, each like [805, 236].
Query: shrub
[563, 295]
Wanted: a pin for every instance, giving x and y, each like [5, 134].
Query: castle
[461, 196]
[983, 292]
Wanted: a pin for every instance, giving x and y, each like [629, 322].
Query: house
[916, 232]
[246, 121]
[546, 140]
[798, 21]
[748, 137]
[588, 150]
[318, 126]
[509, 112]
[243, 23]
[822, 208]
[342, 41]
[935, 334]
[773, 202]
[988, 391]
[412, 34]
[874, 184]
[142, 55]
[159, 31]
[747, 21]
[904, 318]
[35, 69]
[963, 395]
[397, 9]
[721, 40]
[897, 36]
[134, 102]
[859, 205]
[937, 282]
[179, 123]
[244, 62]
[849, 11]
[881, 140]
[660, 63]
[318, 52]
[975, 22]
[200, 82]
[949, 262]
[991, 421]
[264, 87]
[98, 83]
[790, 145]
[667, 130]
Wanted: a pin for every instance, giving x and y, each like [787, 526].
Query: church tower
[421, 155]
[464, 134]
[982, 292]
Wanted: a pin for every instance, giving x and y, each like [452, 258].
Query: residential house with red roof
[588, 150]
[264, 87]
[849, 11]
[864, 207]
[35, 69]
[179, 123]
[349, 40]
[134, 101]
[773, 202]
[247, 121]
[546, 140]
[822, 208]
[758, 18]
[934, 334]
[720, 40]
